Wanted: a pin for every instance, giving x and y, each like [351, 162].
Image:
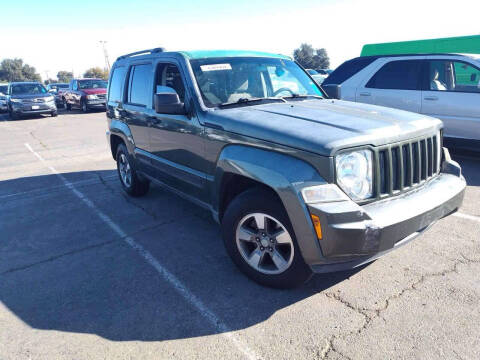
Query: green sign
[459, 45]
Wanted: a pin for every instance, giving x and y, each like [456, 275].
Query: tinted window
[140, 91]
[399, 75]
[348, 69]
[118, 79]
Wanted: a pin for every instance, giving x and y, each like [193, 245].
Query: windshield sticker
[215, 67]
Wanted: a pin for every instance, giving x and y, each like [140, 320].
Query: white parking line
[167, 275]
[465, 216]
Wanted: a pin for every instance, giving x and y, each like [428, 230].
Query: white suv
[445, 86]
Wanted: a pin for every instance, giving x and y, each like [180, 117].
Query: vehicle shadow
[66, 270]
[470, 168]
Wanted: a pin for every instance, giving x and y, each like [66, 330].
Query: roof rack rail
[148, 51]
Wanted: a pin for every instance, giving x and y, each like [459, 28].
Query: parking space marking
[466, 216]
[191, 298]
[93, 181]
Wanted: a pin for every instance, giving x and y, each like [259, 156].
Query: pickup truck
[85, 94]
[300, 183]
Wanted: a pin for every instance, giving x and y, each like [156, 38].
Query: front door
[452, 94]
[176, 141]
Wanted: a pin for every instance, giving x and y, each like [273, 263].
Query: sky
[54, 35]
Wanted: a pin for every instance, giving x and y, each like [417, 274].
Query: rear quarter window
[115, 91]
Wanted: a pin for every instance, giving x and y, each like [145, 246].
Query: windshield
[3, 89]
[312, 72]
[229, 80]
[92, 84]
[28, 89]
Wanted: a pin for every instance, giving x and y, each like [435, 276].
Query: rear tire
[12, 115]
[280, 263]
[132, 184]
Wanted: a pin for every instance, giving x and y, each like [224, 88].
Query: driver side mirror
[333, 91]
[169, 103]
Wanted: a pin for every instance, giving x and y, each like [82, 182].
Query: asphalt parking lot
[88, 273]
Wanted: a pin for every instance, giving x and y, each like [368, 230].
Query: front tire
[54, 114]
[66, 105]
[260, 240]
[12, 115]
[84, 106]
[131, 183]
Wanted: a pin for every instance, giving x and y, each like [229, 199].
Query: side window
[74, 86]
[440, 75]
[399, 75]
[466, 78]
[139, 85]
[115, 92]
[169, 78]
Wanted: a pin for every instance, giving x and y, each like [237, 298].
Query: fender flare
[285, 175]
[120, 129]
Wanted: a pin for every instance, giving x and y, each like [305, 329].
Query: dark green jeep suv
[299, 183]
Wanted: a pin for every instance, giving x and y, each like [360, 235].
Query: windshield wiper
[246, 101]
[298, 96]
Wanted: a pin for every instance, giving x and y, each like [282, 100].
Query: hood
[30, 96]
[94, 91]
[325, 126]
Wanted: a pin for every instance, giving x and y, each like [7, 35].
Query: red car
[85, 94]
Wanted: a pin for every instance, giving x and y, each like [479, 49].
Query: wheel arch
[241, 167]
[120, 133]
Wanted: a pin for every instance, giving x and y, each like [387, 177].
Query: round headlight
[354, 173]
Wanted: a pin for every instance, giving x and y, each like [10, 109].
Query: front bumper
[96, 104]
[40, 108]
[354, 235]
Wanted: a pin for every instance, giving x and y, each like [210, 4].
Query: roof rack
[148, 51]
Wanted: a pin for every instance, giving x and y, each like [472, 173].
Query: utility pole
[105, 54]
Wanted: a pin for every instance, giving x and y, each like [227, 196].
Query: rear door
[452, 94]
[137, 107]
[397, 84]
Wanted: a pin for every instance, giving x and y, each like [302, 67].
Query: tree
[16, 70]
[96, 72]
[64, 76]
[49, 81]
[311, 58]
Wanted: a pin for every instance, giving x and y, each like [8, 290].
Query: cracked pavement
[70, 288]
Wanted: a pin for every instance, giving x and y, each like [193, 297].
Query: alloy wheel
[264, 243]
[125, 170]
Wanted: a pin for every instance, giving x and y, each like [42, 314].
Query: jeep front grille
[402, 166]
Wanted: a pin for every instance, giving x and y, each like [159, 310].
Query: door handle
[431, 98]
[365, 94]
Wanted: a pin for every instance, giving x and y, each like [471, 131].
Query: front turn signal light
[317, 225]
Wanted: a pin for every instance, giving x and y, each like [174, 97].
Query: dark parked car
[299, 183]
[28, 98]
[57, 89]
[85, 94]
[3, 97]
